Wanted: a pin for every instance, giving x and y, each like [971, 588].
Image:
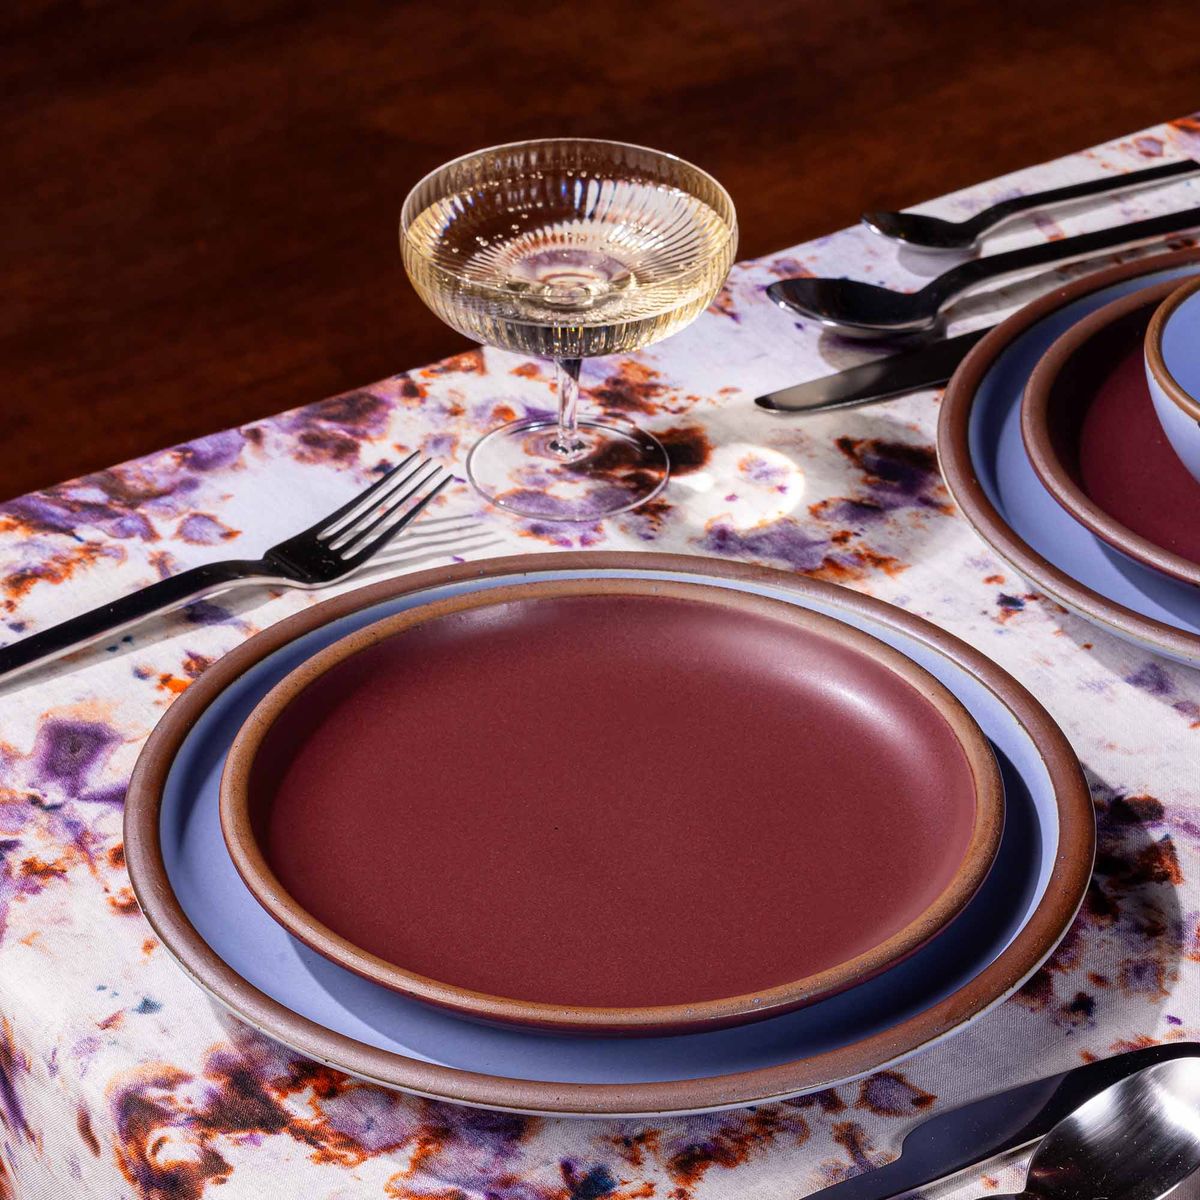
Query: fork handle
[166, 594]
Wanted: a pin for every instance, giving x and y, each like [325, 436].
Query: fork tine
[350, 546]
[383, 507]
[362, 553]
[327, 523]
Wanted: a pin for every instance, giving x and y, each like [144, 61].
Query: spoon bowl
[935, 233]
[929, 233]
[857, 309]
[1137, 1140]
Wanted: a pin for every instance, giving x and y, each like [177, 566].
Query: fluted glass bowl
[568, 248]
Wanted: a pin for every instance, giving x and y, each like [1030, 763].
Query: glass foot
[618, 468]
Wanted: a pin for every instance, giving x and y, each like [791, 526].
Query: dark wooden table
[201, 198]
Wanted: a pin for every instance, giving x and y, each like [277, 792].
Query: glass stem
[566, 444]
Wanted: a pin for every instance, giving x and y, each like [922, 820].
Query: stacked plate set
[1054, 440]
[608, 833]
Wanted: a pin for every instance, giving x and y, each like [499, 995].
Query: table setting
[732, 731]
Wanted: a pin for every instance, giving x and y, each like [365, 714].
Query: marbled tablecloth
[119, 1079]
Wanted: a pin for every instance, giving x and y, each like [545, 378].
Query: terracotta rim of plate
[1050, 469]
[1047, 925]
[954, 457]
[1154, 355]
[248, 857]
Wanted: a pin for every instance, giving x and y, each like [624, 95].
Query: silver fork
[323, 553]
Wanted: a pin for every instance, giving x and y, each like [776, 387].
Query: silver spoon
[1138, 1140]
[867, 310]
[935, 233]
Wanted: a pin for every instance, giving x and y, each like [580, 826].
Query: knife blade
[945, 1145]
[909, 371]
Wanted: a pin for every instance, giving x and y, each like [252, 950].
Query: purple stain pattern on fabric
[132, 525]
[12, 1064]
[67, 752]
[214, 451]
[360, 410]
[113, 795]
[334, 430]
[9, 884]
[693, 1148]
[784, 540]
[253, 1091]
[889, 1093]
[204, 530]
[588, 1184]
[825, 556]
[764, 472]
[63, 510]
[123, 502]
[897, 475]
[1133, 896]
[1151, 677]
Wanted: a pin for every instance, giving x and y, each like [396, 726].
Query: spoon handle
[1107, 185]
[958, 279]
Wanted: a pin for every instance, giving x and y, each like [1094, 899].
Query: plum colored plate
[988, 471]
[204, 915]
[1098, 447]
[544, 804]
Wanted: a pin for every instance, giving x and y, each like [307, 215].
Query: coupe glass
[568, 248]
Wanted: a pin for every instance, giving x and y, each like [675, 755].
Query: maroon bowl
[612, 806]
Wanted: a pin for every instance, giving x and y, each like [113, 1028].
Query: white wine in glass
[568, 248]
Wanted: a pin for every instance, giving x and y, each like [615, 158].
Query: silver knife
[942, 1147]
[926, 366]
